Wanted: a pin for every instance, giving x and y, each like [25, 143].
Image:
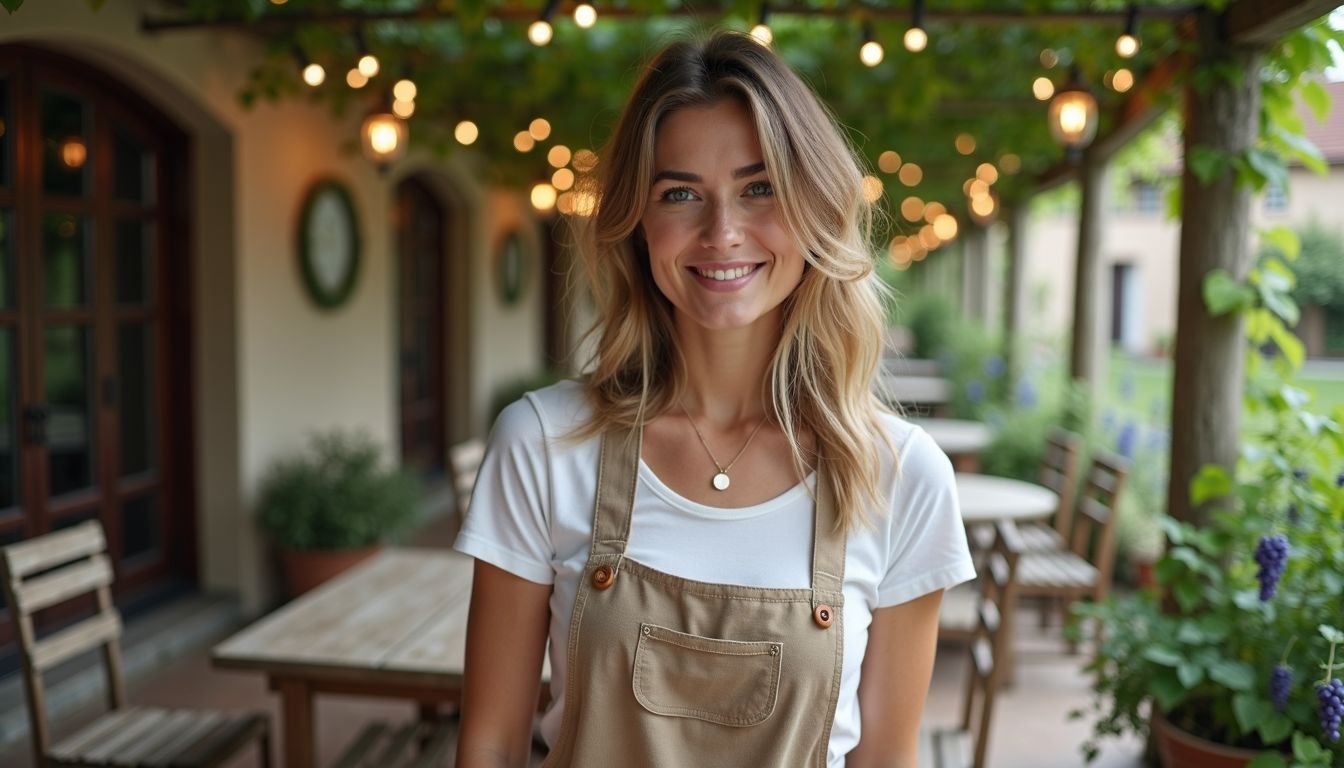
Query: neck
[726, 371]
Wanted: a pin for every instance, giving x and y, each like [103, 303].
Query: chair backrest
[49, 570]
[990, 645]
[1059, 473]
[464, 459]
[1094, 528]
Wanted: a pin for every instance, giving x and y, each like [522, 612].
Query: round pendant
[721, 481]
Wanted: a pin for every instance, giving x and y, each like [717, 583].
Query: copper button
[824, 615]
[603, 577]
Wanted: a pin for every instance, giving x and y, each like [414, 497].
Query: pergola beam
[1265, 21]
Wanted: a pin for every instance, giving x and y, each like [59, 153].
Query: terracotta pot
[303, 571]
[1144, 574]
[1179, 749]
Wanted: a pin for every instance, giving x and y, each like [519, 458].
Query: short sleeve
[928, 549]
[507, 522]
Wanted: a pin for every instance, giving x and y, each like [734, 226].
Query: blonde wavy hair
[822, 370]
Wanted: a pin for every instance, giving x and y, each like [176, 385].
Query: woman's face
[718, 246]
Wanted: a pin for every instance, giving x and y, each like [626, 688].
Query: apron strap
[828, 543]
[617, 474]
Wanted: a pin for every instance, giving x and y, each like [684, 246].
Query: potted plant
[332, 506]
[1230, 654]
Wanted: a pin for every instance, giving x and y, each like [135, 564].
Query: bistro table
[392, 627]
[987, 498]
[960, 439]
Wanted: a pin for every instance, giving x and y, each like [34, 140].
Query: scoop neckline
[660, 489]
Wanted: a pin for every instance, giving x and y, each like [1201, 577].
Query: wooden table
[986, 498]
[961, 440]
[393, 627]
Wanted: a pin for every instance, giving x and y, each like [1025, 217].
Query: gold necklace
[721, 480]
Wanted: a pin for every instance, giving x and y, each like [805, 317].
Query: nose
[722, 228]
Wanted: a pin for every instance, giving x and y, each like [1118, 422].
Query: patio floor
[1031, 726]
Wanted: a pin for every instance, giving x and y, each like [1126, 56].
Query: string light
[945, 227]
[872, 189]
[987, 173]
[562, 179]
[356, 79]
[916, 39]
[889, 162]
[403, 108]
[539, 129]
[762, 31]
[466, 133]
[559, 156]
[539, 31]
[1010, 163]
[1123, 80]
[1042, 88]
[585, 15]
[312, 72]
[368, 63]
[523, 141]
[543, 196]
[1127, 44]
[404, 90]
[1049, 58]
[911, 174]
[871, 54]
[585, 160]
[912, 208]
[965, 143]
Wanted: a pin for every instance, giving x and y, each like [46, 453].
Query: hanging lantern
[1073, 114]
[384, 137]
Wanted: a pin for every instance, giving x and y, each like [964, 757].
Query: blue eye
[760, 189]
[677, 195]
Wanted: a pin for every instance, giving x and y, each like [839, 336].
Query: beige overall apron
[665, 671]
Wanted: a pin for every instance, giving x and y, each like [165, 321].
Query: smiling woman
[737, 553]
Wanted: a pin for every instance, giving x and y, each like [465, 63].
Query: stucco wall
[270, 367]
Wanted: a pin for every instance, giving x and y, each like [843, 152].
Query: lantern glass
[383, 137]
[1073, 117]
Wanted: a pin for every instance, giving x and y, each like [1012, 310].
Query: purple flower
[1330, 707]
[1129, 435]
[975, 391]
[994, 366]
[1271, 554]
[1280, 685]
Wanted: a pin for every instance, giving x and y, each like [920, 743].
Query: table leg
[296, 699]
[966, 462]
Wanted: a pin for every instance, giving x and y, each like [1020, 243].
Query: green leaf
[1306, 748]
[1236, 675]
[1303, 149]
[1317, 98]
[1190, 674]
[1212, 482]
[1331, 634]
[1290, 345]
[1223, 293]
[1187, 594]
[1267, 760]
[1275, 728]
[11, 5]
[1168, 691]
[1207, 163]
[1250, 711]
[1167, 657]
[1285, 240]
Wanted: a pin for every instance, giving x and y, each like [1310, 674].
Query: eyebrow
[739, 173]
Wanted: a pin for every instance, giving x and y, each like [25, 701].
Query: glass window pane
[132, 168]
[66, 245]
[6, 258]
[140, 526]
[66, 166]
[69, 398]
[134, 263]
[6, 123]
[9, 422]
[135, 376]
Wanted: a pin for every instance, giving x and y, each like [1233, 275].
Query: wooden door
[420, 309]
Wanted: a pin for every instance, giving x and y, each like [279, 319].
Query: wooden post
[975, 273]
[1222, 114]
[1085, 360]
[1014, 289]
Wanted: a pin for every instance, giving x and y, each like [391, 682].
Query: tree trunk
[1085, 360]
[1207, 388]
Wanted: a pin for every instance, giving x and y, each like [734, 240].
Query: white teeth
[724, 274]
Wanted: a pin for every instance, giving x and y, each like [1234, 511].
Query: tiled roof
[1328, 135]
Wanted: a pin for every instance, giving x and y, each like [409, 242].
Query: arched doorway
[94, 319]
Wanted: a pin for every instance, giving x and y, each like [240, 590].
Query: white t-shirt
[531, 514]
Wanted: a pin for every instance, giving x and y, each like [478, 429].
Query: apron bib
[666, 671]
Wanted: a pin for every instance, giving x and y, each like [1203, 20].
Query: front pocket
[728, 682]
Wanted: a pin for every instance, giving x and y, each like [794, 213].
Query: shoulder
[912, 453]
[547, 412]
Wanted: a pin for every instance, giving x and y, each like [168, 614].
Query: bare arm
[506, 637]
[894, 682]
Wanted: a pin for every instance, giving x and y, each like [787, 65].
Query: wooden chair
[990, 652]
[1086, 567]
[464, 459]
[73, 563]
[410, 745]
[1059, 473]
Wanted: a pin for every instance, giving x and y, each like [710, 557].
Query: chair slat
[982, 656]
[139, 726]
[359, 752]
[61, 585]
[197, 725]
[75, 744]
[215, 744]
[137, 754]
[398, 747]
[435, 752]
[1097, 512]
[75, 639]
[55, 549]
[952, 749]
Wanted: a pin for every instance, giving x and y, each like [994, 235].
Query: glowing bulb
[1010, 163]
[911, 174]
[871, 53]
[1073, 117]
[585, 160]
[466, 132]
[1126, 46]
[916, 39]
[945, 227]
[987, 172]
[584, 203]
[1043, 88]
[74, 153]
[523, 141]
[1122, 81]
[356, 79]
[539, 129]
[889, 162]
[368, 65]
[978, 188]
[933, 210]
[562, 179]
[912, 208]
[539, 32]
[872, 189]
[403, 108]
[543, 197]
[965, 143]
[1049, 58]
[404, 90]
[383, 137]
[585, 15]
[982, 206]
[565, 203]
[763, 34]
[559, 156]
[314, 74]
